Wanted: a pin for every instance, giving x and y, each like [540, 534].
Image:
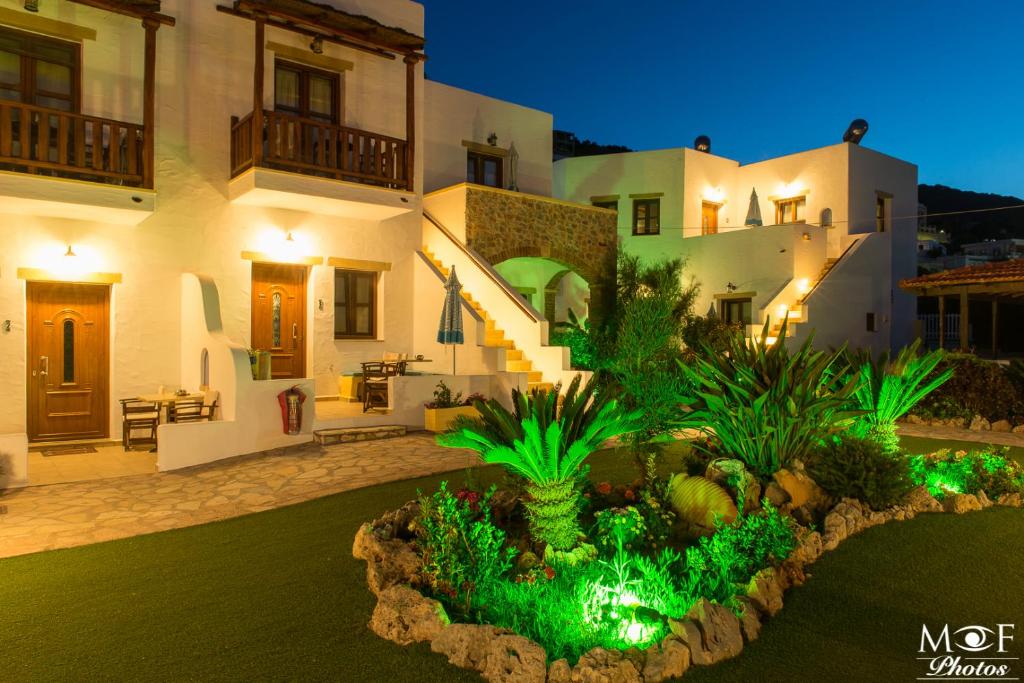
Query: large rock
[404, 616]
[666, 661]
[1019, 429]
[1012, 500]
[466, 645]
[750, 619]
[560, 671]
[979, 424]
[515, 659]
[605, 666]
[960, 503]
[809, 547]
[776, 495]
[984, 499]
[765, 591]
[922, 501]
[1001, 426]
[732, 475]
[389, 562]
[721, 636]
[688, 633]
[801, 489]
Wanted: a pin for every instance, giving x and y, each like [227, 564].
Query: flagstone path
[955, 434]
[65, 515]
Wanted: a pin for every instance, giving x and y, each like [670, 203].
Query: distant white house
[837, 231]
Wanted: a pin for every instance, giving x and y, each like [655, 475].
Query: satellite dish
[702, 144]
[855, 131]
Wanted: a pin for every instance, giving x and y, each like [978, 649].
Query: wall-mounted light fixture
[492, 139]
[288, 237]
[317, 46]
[32, 5]
[70, 252]
[807, 237]
[730, 286]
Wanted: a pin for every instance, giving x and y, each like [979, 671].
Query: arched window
[826, 218]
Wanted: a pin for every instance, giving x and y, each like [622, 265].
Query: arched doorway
[549, 286]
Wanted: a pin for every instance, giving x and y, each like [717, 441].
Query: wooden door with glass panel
[709, 218]
[68, 371]
[279, 317]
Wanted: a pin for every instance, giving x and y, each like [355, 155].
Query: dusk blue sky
[941, 83]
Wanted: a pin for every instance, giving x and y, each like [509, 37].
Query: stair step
[518, 366]
[513, 354]
[495, 338]
[534, 376]
[349, 434]
[539, 386]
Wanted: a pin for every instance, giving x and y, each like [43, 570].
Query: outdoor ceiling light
[69, 252]
[32, 5]
[317, 46]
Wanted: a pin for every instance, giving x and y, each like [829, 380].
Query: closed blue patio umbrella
[754, 211]
[450, 329]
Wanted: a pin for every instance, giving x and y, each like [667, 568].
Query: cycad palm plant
[890, 387]
[546, 444]
[766, 405]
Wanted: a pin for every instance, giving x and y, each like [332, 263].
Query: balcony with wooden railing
[286, 142]
[51, 142]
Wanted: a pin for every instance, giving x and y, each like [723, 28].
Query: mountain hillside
[972, 227]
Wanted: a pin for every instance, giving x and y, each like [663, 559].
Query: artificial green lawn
[277, 595]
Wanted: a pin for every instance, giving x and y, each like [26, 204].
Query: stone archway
[502, 225]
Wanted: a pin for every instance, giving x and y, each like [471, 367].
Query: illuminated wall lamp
[69, 252]
[317, 46]
[32, 5]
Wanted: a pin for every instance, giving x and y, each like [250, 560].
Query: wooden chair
[191, 410]
[375, 384]
[138, 415]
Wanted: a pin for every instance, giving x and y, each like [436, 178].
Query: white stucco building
[837, 232]
[181, 182]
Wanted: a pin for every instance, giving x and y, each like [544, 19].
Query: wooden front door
[708, 218]
[68, 369]
[279, 317]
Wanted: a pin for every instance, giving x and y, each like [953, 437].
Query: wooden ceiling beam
[127, 10]
[312, 33]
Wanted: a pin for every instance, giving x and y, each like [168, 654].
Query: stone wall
[501, 225]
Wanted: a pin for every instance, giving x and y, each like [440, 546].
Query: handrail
[846, 251]
[478, 261]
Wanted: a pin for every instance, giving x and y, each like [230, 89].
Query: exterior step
[494, 338]
[534, 377]
[513, 354]
[518, 366]
[540, 386]
[349, 434]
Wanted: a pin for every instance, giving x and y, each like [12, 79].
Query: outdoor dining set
[141, 415]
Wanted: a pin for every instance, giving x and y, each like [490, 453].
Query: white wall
[453, 115]
[535, 274]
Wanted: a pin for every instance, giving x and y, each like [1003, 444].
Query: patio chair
[138, 416]
[375, 384]
[187, 410]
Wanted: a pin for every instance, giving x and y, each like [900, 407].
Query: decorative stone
[669, 660]
[688, 633]
[465, 645]
[732, 475]
[979, 424]
[720, 632]
[801, 488]
[809, 547]
[1019, 429]
[1001, 426]
[388, 562]
[912, 419]
[920, 500]
[776, 495]
[750, 619]
[984, 499]
[515, 659]
[765, 591]
[404, 616]
[605, 666]
[960, 503]
[560, 671]
[1010, 500]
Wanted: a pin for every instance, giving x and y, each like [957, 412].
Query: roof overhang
[330, 23]
[140, 9]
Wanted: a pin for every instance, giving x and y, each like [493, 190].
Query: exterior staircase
[512, 358]
[797, 313]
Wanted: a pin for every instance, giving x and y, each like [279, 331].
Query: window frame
[612, 204]
[709, 229]
[795, 201]
[649, 202]
[304, 71]
[352, 275]
[29, 55]
[871, 322]
[724, 310]
[478, 160]
[883, 206]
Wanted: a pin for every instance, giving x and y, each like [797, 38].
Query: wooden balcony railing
[58, 143]
[301, 145]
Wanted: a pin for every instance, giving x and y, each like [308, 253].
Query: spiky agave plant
[890, 387]
[765, 404]
[546, 444]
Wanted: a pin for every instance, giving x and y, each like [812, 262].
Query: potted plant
[442, 411]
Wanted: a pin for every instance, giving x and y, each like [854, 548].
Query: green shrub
[978, 387]
[576, 334]
[888, 389]
[719, 565]
[765, 405]
[947, 471]
[547, 445]
[851, 467]
[461, 547]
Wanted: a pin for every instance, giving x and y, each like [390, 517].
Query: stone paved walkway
[65, 515]
[954, 434]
